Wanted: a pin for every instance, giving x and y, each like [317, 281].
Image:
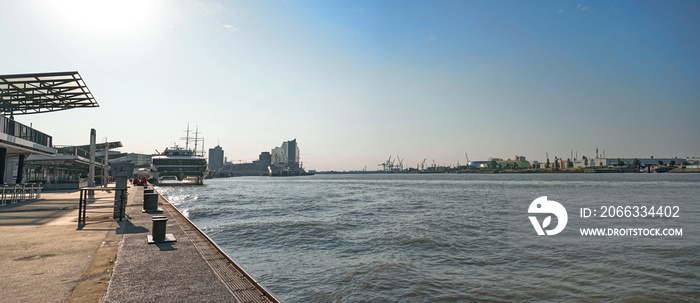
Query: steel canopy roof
[44, 92]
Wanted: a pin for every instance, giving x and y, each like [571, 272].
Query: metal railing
[19, 192]
[19, 130]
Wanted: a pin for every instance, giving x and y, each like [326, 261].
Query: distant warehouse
[642, 161]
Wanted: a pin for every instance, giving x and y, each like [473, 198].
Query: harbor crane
[422, 166]
[400, 167]
[388, 164]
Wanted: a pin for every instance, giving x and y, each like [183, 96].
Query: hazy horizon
[355, 82]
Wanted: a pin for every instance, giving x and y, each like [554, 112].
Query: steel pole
[91, 174]
[105, 171]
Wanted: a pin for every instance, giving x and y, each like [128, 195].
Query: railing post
[32, 194]
[14, 194]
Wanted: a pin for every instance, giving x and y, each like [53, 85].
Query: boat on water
[177, 165]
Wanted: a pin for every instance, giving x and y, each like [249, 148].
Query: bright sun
[111, 18]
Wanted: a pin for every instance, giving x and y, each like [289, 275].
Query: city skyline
[355, 82]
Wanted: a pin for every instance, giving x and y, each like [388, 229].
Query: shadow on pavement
[126, 227]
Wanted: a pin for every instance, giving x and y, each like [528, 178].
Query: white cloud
[230, 27]
[560, 11]
[581, 7]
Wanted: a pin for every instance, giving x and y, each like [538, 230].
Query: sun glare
[111, 18]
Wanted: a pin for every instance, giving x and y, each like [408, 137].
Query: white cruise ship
[178, 165]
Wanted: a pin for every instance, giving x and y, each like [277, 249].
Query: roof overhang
[18, 146]
[44, 92]
[65, 161]
[99, 146]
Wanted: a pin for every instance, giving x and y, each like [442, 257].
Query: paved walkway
[45, 258]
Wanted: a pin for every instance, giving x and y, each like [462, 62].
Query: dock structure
[47, 259]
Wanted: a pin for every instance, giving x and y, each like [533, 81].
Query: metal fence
[19, 192]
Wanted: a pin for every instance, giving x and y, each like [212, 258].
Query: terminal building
[25, 94]
[69, 168]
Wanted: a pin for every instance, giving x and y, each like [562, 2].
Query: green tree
[635, 163]
[620, 163]
[672, 163]
[546, 165]
[493, 164]
[661, 162]
[569, 164]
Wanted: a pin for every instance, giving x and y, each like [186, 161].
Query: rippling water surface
[448, 238]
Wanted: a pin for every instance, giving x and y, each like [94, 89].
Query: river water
[452, 238]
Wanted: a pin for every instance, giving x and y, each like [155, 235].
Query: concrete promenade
[44, 257]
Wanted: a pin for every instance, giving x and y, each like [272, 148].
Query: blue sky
[357, 81]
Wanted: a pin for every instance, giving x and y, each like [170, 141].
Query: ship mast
[196, 139]
[196, 132]
[187, 137]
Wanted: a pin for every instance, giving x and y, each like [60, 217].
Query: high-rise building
[216, 158]
[287, 154]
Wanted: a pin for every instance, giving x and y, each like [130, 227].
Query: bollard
[159, 226]
[158, 234]
[150, 202]
[148, 191]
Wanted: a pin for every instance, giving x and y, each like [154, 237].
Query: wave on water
[438, 238]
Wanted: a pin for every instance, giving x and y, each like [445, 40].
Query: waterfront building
[479, 164]
[287, 154]
[25, 94]
[642, 161]
[280, 161]
[216, 158]
[286, 160]
[256, 168]
[579, 163]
